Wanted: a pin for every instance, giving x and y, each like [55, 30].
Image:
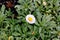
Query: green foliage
[46, 27]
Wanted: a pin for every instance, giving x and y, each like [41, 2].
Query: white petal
[31, 22]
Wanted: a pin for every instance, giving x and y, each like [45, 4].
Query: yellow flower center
[30, 19]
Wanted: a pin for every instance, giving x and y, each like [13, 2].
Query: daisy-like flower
[44, 3]
[30, 19]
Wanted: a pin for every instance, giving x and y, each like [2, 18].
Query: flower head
[44, 3]
[30, 19]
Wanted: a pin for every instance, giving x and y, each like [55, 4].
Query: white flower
[44, 3]
[30, 19]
